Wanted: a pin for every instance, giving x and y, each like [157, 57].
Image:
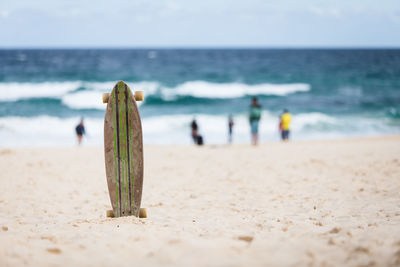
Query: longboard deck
[123, 151]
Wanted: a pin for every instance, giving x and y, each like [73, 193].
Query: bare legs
[254, 139]
[79, 140]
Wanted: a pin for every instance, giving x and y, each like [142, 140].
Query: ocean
[331, 93]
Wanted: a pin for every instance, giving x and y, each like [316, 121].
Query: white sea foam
[84, 100]
[148, 87]
[88, 98]
[303, 120]
[47, 131]
[15, 91]
[92, 98]
[175, 129]
[233, 90]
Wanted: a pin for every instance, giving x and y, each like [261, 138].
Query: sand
[316, 203]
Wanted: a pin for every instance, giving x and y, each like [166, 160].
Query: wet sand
[331, 203]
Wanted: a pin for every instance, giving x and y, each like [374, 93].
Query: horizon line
[283, 47]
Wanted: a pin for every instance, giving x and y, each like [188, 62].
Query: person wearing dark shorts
[254, 119]
[284, 125]
[194, 127]
[197, 138]
[285, 135]
[230, 128]
[80, 131]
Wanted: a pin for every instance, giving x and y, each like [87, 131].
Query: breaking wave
[87, 95]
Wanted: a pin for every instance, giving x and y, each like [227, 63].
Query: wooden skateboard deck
[123, 151]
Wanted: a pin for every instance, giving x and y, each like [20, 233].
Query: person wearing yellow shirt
[284, 125]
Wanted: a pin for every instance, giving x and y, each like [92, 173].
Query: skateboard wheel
[110, 213]
[143, 213]
[139, 95]
[106, 96]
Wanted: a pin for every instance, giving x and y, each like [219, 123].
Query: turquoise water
[331, 93]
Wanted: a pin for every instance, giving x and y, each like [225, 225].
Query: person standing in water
[284, 125]
[254, 118]
[194, 127]
[80, 131]
[197, 138]
[230, 128]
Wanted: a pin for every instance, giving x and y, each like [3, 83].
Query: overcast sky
[199, 23]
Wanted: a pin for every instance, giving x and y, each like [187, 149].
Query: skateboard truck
[139, 96]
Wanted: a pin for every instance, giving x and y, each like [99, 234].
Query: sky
[199, 23]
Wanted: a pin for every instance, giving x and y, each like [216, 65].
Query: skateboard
[123, 151]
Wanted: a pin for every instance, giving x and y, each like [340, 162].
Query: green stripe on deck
[121, 112]
[115, 150]
[123, 138]
[123, 135]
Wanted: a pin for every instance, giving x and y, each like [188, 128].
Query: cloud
[4, 14]
[199, 23]
[169, 8]
[326, 12]
[396, 17]
[143, 18]
[173, 6]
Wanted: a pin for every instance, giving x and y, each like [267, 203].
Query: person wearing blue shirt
[254, 118]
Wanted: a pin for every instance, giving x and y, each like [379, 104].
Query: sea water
[331, 93]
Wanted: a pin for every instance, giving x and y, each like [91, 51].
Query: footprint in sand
[6, 152]
[50, 238]
[357, 252]
[54, 250]
[246, 238]
[361, 250]
[335, 230]
[173, 241]
[396, 257]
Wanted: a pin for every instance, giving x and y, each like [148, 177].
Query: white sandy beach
[315, 203]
